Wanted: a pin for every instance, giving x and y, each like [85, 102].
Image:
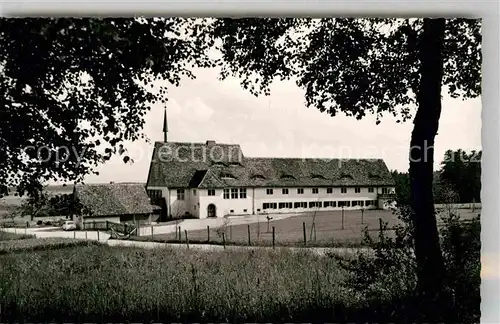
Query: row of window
[319, 204]
[343, 190]
[233, 193]
[241, 193]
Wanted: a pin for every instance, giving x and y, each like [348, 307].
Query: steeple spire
[165, 125]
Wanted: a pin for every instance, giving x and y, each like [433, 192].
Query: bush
[387, 276]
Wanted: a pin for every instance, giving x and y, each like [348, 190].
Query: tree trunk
[430, 266]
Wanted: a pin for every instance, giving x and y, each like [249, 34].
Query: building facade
[216, 180]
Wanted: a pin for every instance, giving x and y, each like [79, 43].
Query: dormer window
[374, 176]
[227, 176]
[318, 176]
[219, 164]
[287, 177]
[346, 176]
[235, 163]
[258, 177]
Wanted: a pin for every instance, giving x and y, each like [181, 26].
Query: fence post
[152, 233]
[187, 240]
[380, 224]
[274, 236]
[342, 216]
[473, 205]
[362, 215]
[97, 235]
[224, 240]
[248, 230]
[314, 228]
[86, 234]
[107, 225]
[180, 234]
[74, 234]
[208, 233]
[94, 224]
[304, 230]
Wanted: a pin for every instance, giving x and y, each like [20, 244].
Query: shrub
[387, 276]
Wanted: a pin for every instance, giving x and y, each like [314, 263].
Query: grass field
[100, 283]
[5, 236]
[64, 280]
[329, 230]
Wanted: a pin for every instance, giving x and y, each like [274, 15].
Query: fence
[122, 228]
[326, 230]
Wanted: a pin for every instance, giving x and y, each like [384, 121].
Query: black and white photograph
[241, 170]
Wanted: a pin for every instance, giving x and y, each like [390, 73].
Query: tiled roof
[114, 199]
[180, 165]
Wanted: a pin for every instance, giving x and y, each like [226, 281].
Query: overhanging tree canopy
[65, 82]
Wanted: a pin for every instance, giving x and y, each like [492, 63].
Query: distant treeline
[458, 180]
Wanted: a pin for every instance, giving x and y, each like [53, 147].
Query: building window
[300, 205]
[300, 191]
[329, 190]
[386, 191]
[234, 193]
[154, 194]
[370, 189]
[226, 193]
[243, 193]
[315, 190]
[269, 191]
[244, 210]
[343, 190]
[258, 210]
[344, 204]
[194, 192]
[231, 211]
[357, 190]
[285, 205]
[329, 204]
[194, 207]
[211, 192]
[284, 191]
[313, 204]
[269, 205]
[180, 194]
[370, 203]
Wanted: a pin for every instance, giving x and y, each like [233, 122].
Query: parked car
[69, 226]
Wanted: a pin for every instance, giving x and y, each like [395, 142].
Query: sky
[280, 125]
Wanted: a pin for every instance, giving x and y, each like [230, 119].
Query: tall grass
[98, 283]
[6, 236]
[30, 244]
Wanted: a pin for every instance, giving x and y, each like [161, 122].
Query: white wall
[262, 197]
[197, 204]
[240, 206]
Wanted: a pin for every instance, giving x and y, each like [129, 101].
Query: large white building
[214, 180]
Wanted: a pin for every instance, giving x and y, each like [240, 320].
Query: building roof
[113, 199]
[213, 165]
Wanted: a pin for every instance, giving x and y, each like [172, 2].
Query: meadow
[330, 230]
[101, 283]
[65, 280]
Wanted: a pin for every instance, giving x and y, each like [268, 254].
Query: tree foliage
[78, 87]
[462, 171]
[354, 66]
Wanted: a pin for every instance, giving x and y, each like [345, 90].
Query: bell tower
[165, 125]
